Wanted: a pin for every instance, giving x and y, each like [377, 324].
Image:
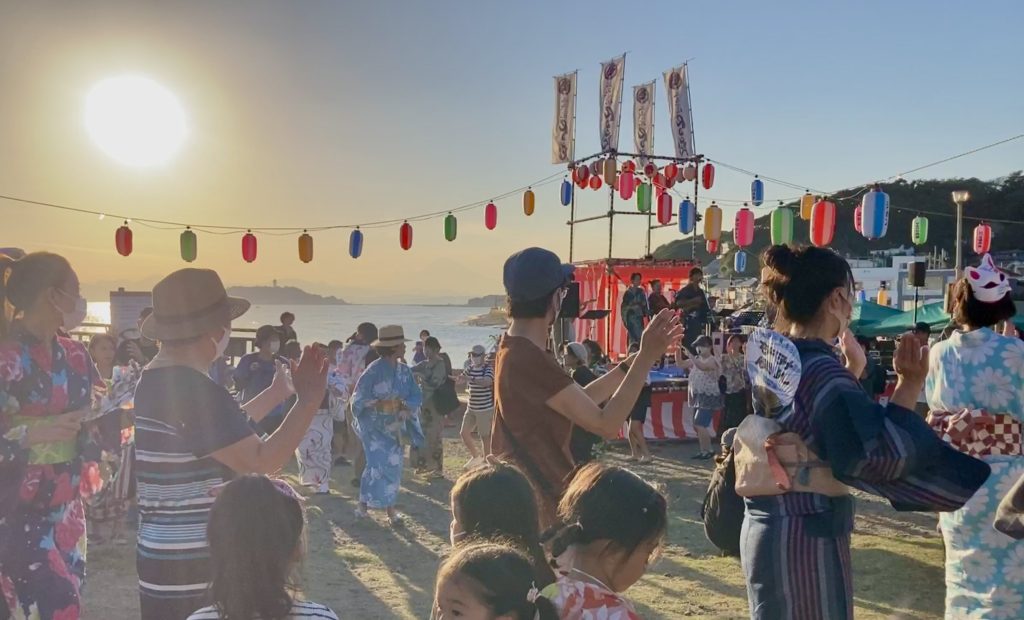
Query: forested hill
[1000, 199]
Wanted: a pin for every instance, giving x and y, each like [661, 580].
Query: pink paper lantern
[743, 230]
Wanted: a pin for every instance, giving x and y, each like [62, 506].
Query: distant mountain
[999, 199]
[283, 296]
[487, 301]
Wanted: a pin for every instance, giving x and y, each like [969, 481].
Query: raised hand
[662, 332]
[856, 357]
[910, 359]
[309, 375]
[282, 381]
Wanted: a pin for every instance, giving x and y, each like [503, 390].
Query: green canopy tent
[867, 313]
[934, 314]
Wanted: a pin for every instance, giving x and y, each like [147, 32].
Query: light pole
[960, 196]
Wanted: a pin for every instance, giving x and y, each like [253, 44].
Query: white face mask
[73, 319]
[274, 347]
[222, 344]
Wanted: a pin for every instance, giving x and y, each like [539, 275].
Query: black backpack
[722, 511]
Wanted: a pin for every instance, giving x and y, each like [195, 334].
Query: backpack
[722, 510]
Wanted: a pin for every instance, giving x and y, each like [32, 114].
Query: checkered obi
[977, 432]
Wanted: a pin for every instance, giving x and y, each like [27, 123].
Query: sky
[321, 113]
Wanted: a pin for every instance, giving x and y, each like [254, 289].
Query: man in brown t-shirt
[536, 402]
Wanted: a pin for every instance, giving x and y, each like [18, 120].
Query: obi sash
[977, 432]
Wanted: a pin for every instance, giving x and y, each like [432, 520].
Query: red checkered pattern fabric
[978, 433]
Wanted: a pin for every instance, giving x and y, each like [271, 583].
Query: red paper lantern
[670, 182]
[249, 247]
[712, 246]
[305, 247]
[650, 170]
[823, 222]
[627, 185]
[123, 240]
[982, 238]
[743, 231]
[690, 172]
[664, 209]
[671, 171]
[490, 216]
[629, 166]
[858, 218]
[405, 236]
[660, 181]
[595, 182]
[581, 174]
[708, 176]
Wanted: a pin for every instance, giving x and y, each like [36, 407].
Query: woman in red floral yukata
[47, 456]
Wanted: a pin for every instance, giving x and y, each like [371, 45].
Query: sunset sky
[317, 113]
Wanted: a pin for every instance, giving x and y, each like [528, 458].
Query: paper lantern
[451, 227]
[595, 168]
[660, 182]
[713, 222]
[671, 171]
[123, 240]
[919, 230]
[627, 184]
[874, 213]
[687, 216]
[858, 219]
[782, 226]
[650, 170]
[982, 238]
[629, 166]
[690, 172]
[595, 183]
[806, 206]
[711, 246]
[249, 247]
[643, 198]
[566, 193]
[581, 174]
[823, 222]
[664, 209]
[305, 247]
[739, 263]
[529, 200]
[609, 171]
[355, 243]
[189, 245]
[670, 182]
[708, 176]
[490, 216]
[883, 297]
[743, 228]
[405, 236]
[757, 191]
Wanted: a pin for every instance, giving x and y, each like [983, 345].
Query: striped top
[299, 610]
[182, 417]
[481, 397]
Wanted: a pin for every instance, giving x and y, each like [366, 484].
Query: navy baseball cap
[533, 273]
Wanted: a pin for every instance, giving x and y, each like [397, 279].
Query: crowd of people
[541, 528]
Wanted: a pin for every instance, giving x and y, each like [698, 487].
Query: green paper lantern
[643, 198]
[189, 245]
[451, 227]
[919, 230]
[782, 226]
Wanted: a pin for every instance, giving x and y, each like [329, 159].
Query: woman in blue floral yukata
[386, 406]
[975, 392]
[47, 455]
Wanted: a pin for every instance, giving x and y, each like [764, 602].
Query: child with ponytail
[613, 525]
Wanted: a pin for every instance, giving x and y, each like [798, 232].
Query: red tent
[602, 283]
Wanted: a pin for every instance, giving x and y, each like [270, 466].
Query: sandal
[397, 521]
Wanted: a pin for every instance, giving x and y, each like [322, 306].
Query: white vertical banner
[610, 92]
[680, 119]
[563, 132]
[643, 120]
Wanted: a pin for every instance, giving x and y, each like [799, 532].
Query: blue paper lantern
[566, 193]
[757, 192]
[355, 243]
[874, 213]
[687, 216]
[739, 264]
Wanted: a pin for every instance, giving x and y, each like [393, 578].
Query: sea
[326, 323]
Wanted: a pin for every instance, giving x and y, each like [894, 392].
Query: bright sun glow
[135, 120]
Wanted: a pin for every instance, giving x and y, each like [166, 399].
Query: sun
[135, 120]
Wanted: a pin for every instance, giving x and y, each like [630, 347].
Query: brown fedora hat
[190, 303]
[390, 336]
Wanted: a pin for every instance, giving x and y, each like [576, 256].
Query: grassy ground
[367, 570]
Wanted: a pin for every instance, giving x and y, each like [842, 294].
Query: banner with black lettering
[612, 73]
[563, 132]
[643, 120]
[679, 116]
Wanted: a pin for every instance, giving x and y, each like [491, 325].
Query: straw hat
[390, 336]
[190, 303]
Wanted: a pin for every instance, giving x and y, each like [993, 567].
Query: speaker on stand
[916, 273]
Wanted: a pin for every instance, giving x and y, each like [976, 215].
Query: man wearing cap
[479, 377]
[192, 436]
[536, 402]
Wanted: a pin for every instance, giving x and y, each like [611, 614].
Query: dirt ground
[366, 570]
